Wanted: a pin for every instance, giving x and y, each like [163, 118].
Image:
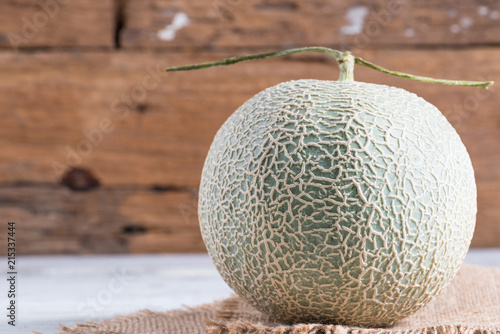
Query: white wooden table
[69, 289]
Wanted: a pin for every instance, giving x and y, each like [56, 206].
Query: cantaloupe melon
[337, 202]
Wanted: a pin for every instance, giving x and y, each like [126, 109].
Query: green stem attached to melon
[346, 64]
[345, 60]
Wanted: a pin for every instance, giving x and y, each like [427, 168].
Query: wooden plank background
[88, 91]
[47, 24]
[271, 23]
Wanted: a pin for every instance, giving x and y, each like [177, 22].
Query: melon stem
[345, 60]
[346, 64]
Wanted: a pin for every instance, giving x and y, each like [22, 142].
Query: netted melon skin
[337, 202]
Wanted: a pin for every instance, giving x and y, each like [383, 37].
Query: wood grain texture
[53, 219]
[156, 128]
[57, 23]
[286, 23]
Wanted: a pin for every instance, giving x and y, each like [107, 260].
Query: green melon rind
[337, 202]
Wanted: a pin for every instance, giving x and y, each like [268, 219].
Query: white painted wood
[69, 289]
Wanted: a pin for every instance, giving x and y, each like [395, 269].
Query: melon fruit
[337, 202]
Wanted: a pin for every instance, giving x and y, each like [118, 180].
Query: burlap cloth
[470, 304]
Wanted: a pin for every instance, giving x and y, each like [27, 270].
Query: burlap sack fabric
[470, 304]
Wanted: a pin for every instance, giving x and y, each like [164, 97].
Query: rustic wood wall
[83, 90]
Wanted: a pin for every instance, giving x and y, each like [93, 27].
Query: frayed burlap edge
[245, 327]
[92, 327]
[83, 328]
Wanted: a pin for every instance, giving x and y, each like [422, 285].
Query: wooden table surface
[69, 289]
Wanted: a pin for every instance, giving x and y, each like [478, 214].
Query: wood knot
[134, 229]
[141, 108]
[80, 179]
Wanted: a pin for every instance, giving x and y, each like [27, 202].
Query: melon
[337, 202]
